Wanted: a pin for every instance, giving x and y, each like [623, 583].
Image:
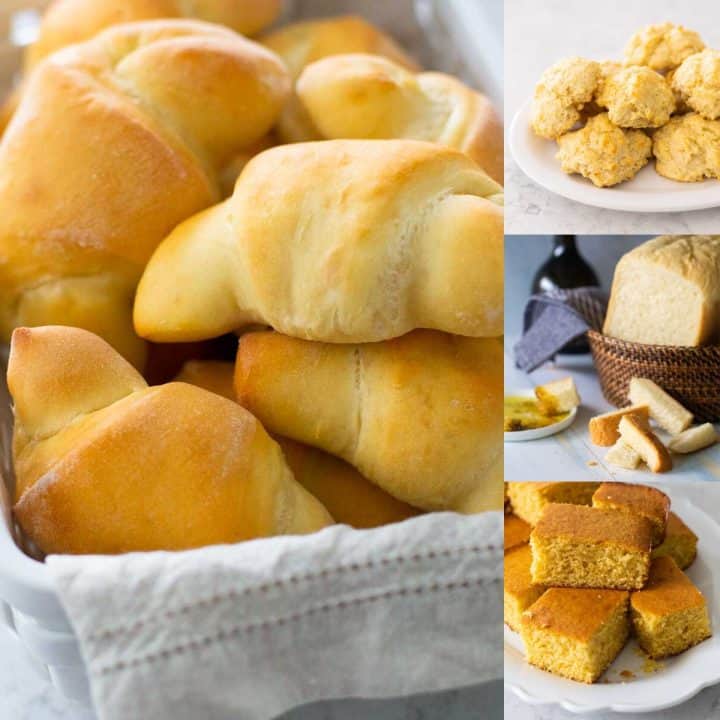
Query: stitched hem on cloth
[233, 632]
[235, 593]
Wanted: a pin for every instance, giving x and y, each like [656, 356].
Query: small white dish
[627, 687]
[646, 192]
[536, 433]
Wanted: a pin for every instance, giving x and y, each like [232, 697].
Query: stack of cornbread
[587, 564]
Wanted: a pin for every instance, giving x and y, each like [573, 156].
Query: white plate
[536, 433]
[646, 192]
[679, 678]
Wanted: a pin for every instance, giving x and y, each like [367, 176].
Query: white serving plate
[536, 433]
[646, 192]
[677, 680]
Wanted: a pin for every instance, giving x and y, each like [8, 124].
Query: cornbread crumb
[576, 633]
[519, 593]
[528, 499]
[670, 614]
[649, 502]
[586, 547]
[680, 543]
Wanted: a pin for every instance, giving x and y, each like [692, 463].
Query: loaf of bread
[420, 416]
[604, 429]
[665, 410]
[106, 464]
[636, 434]
[116, 141]
[667, 292]
[337, 241]
[368, 96]
[347, 495]
[302, 43]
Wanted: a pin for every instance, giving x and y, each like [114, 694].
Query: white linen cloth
[248, 631]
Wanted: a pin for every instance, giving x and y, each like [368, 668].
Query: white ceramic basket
[462, 37]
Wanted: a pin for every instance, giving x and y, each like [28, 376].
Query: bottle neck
[564, 245]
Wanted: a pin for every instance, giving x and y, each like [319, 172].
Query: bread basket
[689, 374]
[448, 36]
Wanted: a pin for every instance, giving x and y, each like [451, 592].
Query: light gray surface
[540, 32]
[525, 253]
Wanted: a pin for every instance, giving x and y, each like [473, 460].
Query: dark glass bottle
[565, 268]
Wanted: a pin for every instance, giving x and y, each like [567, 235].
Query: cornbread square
[519, 592]
[587, 547]
[670, 614]
[576, 633]
[528, 499]
[680, 543]
[517, 532]
[649, 502]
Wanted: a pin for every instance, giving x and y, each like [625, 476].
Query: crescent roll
[348, 496]
[420, 415]
[366, 96]
[106, 464]
[302, 43]
[115, 142]
[337, 241]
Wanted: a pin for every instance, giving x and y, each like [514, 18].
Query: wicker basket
[690, 374]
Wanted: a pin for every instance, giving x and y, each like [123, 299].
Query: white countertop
[540, 33]
[704, 706]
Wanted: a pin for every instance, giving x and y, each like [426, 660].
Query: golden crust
[577, 613]
[90, 435]
[169, 98]
[662, 47]
[378, 248]
[667, 591]
[383, 406]
[67, 22]
[604, 153]
[516, 532]
[367, 96]
[687, 149]
[595, 525]
[643, 500]
[637, 97]
[302, 43]
[348, 496]
[562, 92]
[697, 81]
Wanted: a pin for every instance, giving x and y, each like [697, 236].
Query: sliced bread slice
[645, 443]
[667, 412]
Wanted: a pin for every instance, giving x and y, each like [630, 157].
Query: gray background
[525, 253]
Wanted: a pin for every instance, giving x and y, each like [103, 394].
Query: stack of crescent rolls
[297, 240]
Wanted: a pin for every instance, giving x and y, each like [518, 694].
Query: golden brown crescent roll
[106, 464]
[302, 43]
[368, 96]
[115, 142]
[348, 496]
[67, 22]
[420, 415]
[339, 241]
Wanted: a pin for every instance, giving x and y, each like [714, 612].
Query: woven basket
[689, 374]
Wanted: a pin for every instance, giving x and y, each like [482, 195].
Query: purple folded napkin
[556, 318]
